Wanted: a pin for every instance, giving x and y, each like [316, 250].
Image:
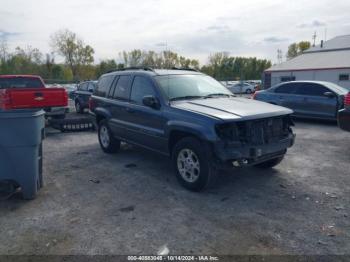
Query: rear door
[315, 103]
[284, 95]
[145, 124]
[118, 104]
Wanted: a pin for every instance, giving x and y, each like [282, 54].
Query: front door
[315, 103]
[146, 124]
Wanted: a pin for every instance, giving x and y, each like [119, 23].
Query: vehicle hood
[232, 108]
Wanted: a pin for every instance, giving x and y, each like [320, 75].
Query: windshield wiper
[218, 94]
[184, 98]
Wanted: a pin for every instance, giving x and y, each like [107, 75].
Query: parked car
[190, 117]
[344, 114]
[240, 88]
[311, 99]
[32, 82]
[70, 89]
[82, 95]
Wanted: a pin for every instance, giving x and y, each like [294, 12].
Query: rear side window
[286, 89]
[21, 82]
[141, 87]
[310, 89]
[103, 85]
[122, 89]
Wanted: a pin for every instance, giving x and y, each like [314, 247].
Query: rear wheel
[270, 163]
[191, 161]
[108, 142]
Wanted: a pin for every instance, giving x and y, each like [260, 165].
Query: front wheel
[248, 91]
[108, 142]
[192, 165]
[270, 163]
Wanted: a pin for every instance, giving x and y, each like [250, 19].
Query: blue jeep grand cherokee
[190, 117]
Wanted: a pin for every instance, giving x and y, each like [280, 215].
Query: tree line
[79, 61]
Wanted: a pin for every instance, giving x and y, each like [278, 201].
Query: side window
[344, 77]
[141, 87]
[122, 89]
[310, 89]
[103, 85]
[82, 87]
[85, 86]
[286, 89]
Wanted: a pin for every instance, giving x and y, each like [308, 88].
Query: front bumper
[247, 155]
[344, 119]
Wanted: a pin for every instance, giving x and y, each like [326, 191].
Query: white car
[240, 88]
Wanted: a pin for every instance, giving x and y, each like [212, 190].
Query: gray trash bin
[21, 135]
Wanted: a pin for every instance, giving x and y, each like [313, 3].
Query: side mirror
[151, 101]
[329, 94]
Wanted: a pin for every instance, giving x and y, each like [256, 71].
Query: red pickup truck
[29, 91]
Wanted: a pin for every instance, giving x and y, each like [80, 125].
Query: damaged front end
[244, 143]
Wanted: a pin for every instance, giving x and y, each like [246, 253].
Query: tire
[109, 144]
[78, 107]
[199, 173]
[270, 163]
[248, 91]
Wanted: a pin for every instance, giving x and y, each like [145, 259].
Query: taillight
[5, 100]
[347, 100]
[254, 95]
[91, 104]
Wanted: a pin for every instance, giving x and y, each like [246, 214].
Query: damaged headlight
[228, 131]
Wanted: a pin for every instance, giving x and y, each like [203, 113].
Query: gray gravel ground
[131, 203]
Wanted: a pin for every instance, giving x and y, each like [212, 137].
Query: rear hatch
[29, 91]
[20, 98]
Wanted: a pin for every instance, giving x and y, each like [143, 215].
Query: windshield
[20, 82]
[190, 86]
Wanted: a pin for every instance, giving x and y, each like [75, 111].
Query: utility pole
[314, 38]
[279, 56]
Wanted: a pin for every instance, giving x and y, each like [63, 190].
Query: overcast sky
[194, 28]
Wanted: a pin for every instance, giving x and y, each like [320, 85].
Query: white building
[330, 61]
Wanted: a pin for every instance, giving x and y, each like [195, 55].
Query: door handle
[38, 94]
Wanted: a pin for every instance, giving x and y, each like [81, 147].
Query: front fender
[203, 132]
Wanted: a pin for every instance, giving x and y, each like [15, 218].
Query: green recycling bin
[21, 136]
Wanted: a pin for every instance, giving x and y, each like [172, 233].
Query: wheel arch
[175, 134]
[101, 114]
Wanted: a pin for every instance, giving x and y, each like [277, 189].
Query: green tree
[73, 49]
[296, 49]
[165, 59]
[303, 45]
[293, 51]
[104, 66]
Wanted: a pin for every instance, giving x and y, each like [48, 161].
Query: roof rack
[145, 68]
[184, 68]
